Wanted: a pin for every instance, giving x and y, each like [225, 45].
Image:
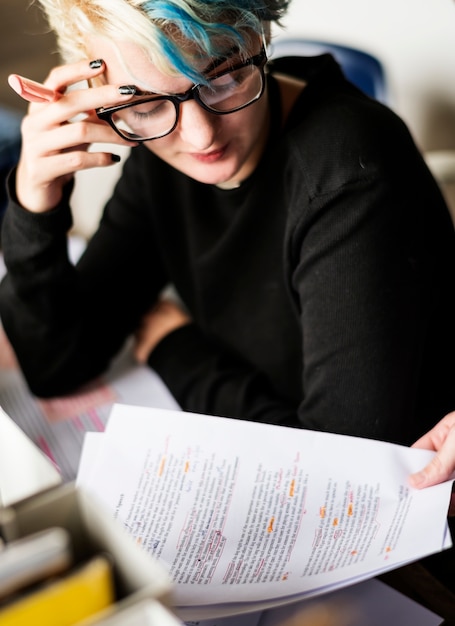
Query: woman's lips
[209, 157]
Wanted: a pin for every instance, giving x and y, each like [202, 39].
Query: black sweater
[322, 290]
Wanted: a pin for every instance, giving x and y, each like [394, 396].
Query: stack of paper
[246, 516]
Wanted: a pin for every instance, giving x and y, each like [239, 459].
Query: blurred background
[414, 40]
[26, 47]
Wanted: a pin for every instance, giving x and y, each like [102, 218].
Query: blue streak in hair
[170, 51]
[188, 26]
[192, 29]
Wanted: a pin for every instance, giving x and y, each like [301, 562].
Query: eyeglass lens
[231, 91]
[226, 93]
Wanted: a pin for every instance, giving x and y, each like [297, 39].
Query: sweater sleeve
[205, 378]
[67, 322]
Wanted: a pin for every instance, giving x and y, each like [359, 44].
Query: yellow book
[64, 601]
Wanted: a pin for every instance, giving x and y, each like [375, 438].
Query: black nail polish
[127, 90]
[115, 158]
[94, 65]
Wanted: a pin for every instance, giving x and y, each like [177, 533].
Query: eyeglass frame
[258, 60]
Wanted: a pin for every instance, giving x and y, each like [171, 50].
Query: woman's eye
[149, 109]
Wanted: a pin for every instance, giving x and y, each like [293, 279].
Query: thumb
[440, 468]
[431, 474]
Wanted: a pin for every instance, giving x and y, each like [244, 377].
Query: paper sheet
[245, 516]
[23, 470]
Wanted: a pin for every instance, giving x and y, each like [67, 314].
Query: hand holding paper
[441, 467]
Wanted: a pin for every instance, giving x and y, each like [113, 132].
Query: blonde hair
[168, 30]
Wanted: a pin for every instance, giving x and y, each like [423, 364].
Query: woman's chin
[210, 176]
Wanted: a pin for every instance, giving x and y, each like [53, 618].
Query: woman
[310, 248]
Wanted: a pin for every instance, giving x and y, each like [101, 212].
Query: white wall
[414, 39]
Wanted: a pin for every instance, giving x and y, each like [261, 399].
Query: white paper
[24, 470]
[245, 516]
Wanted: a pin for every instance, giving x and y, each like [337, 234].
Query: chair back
[361, 68]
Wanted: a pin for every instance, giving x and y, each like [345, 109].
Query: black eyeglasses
[151, 117]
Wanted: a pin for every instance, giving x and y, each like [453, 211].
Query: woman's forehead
[129, 63]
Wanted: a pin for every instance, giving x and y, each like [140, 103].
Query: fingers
[63, 76]
[56, 135]
[79, 104]
[62, 139]
[73, 81]
[442, 466]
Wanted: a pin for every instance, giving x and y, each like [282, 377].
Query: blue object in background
[360, 67]
[10, 145]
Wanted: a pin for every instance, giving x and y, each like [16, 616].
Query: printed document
[246, 516]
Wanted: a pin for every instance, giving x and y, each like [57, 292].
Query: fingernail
[116, 158]
[94, 65]
[127, 90]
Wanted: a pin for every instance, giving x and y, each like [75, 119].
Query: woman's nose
[197, 126]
